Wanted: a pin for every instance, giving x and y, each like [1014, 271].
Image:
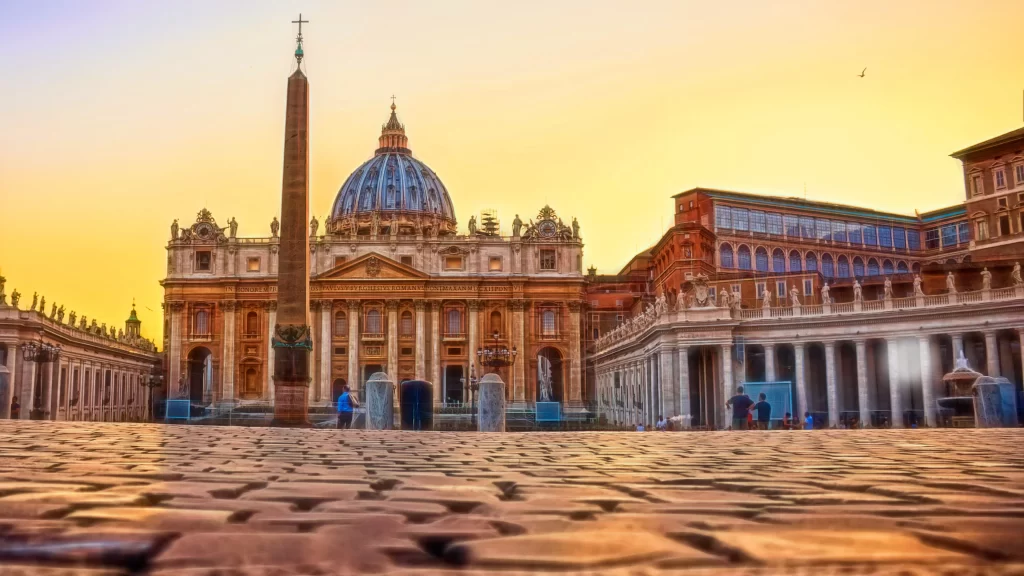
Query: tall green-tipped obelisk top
[292, 341]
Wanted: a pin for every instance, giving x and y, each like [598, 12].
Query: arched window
[340, 324]
[496, 322]
[844, 267]
[916, 267]
[367, 199]
[901, 268]
[725, 255]
[454, 318]
[858, 267]
[252, 324]
[812, 263]
[761, 259]
[795, 261]
[778, 261]
[391, 198]
[405, 324]
[548, 325]
[872, 267]
[743, 255]
[373, 324]
[887, 268]
[201, 325]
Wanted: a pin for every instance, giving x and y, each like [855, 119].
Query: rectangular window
[808, 287]
[792, 226]
[547, 259]
[775, 224]
[407, 260]
[838, 231]
[981, 227]
[252, 264]
[931, 238]
[899, 238]
[339, 351]
[948, 235]
[760, 290]
[1000, 179]
[885, 237]
[1001, 203]
[453, 262]
[1004, 225]
[713, 293]
[1019, 174]
[757, 222]
[203, 261]
[913, 240]
[780, 289]
[406, 352]
[494, 264]
[741, 219]
[965, 233]
[870, 237]
[853, 233]
[806, 227]
[723, 217]
[735, 288]
[977, 185]
[824, 229]
[339, 260]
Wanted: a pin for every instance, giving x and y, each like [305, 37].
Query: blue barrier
[178, 410]
[549, 412]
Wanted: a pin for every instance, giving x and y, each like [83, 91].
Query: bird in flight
[861, 75]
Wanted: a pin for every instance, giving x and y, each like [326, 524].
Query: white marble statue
[766, 298]
[950, 283]
[858, 293]
[544, 378]
[1015, 276]
[917, 286]
[824, 294]
[986, 279]
[888, 288]
[794, 297]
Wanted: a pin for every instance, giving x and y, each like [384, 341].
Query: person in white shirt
[639, 427]
[660, 424]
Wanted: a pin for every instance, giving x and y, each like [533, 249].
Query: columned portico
[435, 346]
[392, 367]
[228, 347]
[991, 354]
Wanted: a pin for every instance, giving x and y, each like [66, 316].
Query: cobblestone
[95, 498]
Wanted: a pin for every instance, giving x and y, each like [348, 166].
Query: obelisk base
[291, 400]
[291, 376]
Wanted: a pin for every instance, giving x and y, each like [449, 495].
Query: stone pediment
[372, 266]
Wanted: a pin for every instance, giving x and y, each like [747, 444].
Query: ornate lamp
[497, 355]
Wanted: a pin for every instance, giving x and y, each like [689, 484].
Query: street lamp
[474, 385]
[152, 381]
[497, 355]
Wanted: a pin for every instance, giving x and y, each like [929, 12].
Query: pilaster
[895, 382]
[575, 373]
[420, 372]
[801, 381]
[927, 399]
[684, 380]
[354, 310]
[863, 401]
[727, 386]
[830, 384]
[326, 315]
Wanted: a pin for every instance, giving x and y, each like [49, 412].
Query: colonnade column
[769, 362]
[926, 380]
[575, 362]
[420, 371]
[49, 400]
[271, 322]
[958, 347]
[519, 341]
[228, 362]
[326, 314]
[666, 392]
[991, 355]
[684, 380]
[174, 354]
[471, 334]
[12, 381]
[650, 384]
[354, 309]
[801, 382]
[392, 368]
[830, 384]
[727, 388]
[435, 349]
[862, 383]
[895, 400]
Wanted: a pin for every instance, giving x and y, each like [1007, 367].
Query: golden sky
[117, 117]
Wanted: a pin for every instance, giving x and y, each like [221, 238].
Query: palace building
[394, 286]
[862, 311]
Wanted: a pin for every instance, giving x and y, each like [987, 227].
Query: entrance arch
[200, 374]
[549, 375]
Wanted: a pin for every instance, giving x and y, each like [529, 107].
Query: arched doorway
[200, 373]
[251, 386]
[337, 387]
[549, 375]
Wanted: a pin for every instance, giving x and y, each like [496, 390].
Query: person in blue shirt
[740, 404]
[764, 411]
[346, 404]
[808, 421]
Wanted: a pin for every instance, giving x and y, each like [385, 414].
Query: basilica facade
[394, 286]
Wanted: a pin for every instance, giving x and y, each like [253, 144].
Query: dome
[394, 184]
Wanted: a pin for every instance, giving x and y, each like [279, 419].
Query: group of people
[744, 409]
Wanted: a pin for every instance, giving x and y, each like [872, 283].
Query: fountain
[975, 400]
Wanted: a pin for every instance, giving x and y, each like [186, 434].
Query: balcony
[372, 336]
[453, 337]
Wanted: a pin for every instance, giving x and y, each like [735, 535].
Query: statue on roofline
[174, 230]
[917, 286]
[986, 279]
[274, 227]
[1015, 275]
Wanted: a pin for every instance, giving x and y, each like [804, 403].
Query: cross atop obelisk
[298, 39]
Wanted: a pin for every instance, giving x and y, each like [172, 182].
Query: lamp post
[494, 357]
[40, 353]
[152, 381]
[474, 385]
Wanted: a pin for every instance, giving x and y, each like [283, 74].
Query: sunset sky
[117, 117]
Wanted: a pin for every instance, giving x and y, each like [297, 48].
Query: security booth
[416, 403]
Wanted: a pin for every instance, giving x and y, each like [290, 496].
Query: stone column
[9, 388]
[49, 403]
[769, 362]
[28, 385]
[575, 371]
[727, 387]
[435, 350]
[420, 372]
[895, 381]
[392, 308]
[271, 307]
[958, 347]
[684, 380]
[519, 341]
[801, 381]
[926, 380]
[491, 404]
[863, 403]
[667, 396]
[354, 309]
[830, 383]
[991, 355]
[380, 402]
[471, 333]
[326, 313]
[174, 343]
[228, 362]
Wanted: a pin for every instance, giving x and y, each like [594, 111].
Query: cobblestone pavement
[93, 498]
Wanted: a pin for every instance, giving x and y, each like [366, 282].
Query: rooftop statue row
[700, 297]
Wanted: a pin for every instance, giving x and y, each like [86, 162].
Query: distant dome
[394, 184]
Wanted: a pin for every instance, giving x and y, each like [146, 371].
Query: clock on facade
[547, 228]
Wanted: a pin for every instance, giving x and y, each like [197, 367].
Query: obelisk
[292, 341]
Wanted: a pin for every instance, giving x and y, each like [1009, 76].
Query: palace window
[494, 264]
[203, 260]
[1001, 203]
[252, 324]
[760, 290]
[1000, 176]
[340, 324]
[855, 233]
[547, 259]
[405, 324]
[899, 238]
[824, 228]
[792, 226]
[870, 236]
[838, 231]
[757, 222]
[453, 320]
[885, 237]
[741, 219]
[725, 255]
[965, 233]
[406, 260]
[901, 268]
[808, 287]
[779, 261]
[548, 323]
[807, 227]
[887, 268]
[913, 240]
[977, 185]
[858, 267]
[761, 258]
[201, 323]
[1019, 174]
[775, 224]
[252, 264]
[723, 217]
[453, 263]
[948, 235]
[744, 258]
[931, 238]
[780, 289]
[373, 322]
[1004, 225]
[843, 266]
[496, 322]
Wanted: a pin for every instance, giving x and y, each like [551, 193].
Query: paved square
[141, 498]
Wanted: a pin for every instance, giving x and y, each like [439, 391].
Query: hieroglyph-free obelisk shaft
[292, 342]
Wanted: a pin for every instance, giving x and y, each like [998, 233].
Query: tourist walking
[346, 406]
[740, 404]
[808, 421]
[660, 424]
[787, 421]
[764, 411]
[15, 408]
